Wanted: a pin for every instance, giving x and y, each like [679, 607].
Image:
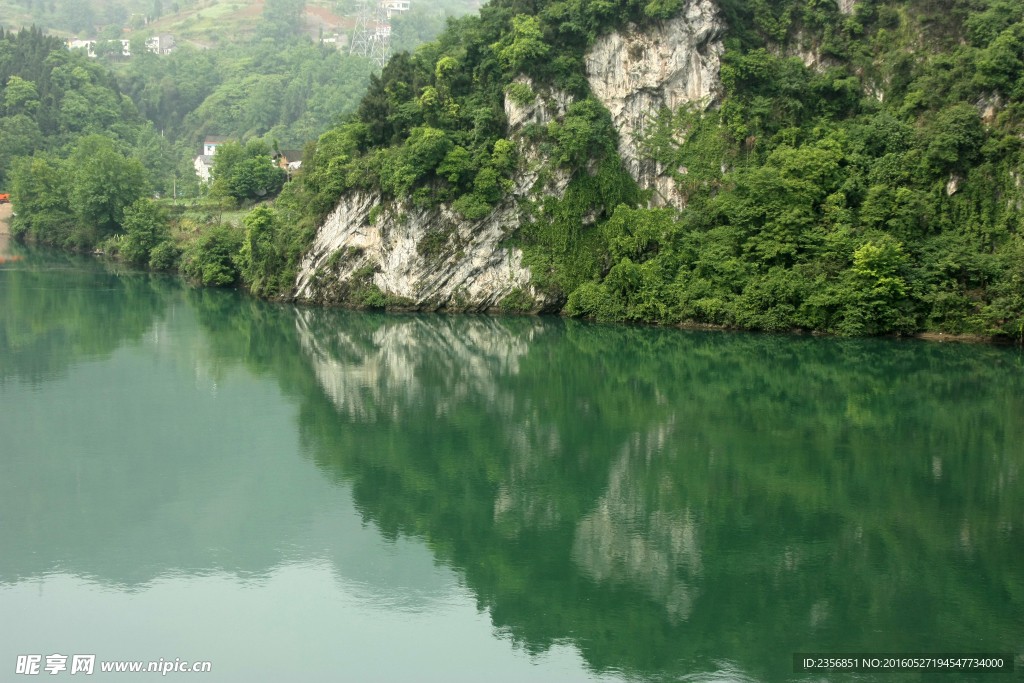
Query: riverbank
[5, 219]
[182, 237]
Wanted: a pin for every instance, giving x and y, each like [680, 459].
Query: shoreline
[924, 335]
[940, 337]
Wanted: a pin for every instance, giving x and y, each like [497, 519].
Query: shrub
[520, 93]
[146, 226]
[165, 256]
[210, 258]
[516, 301]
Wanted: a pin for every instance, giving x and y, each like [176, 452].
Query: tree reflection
[56, 308]
[669, 500]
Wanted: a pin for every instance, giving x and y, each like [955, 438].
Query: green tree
[524, 45]
[210, 258]
[225, 159]
[105, 183]
[259, 259]
[19, 136]
[423, 152]
[145, 227]
[281, 18]
[246, 172]
[20, 97]
[41, 200]
[256, 177]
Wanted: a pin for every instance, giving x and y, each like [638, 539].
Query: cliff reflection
[666, 501]
[629, 539]
[669, 499]
[412, 361]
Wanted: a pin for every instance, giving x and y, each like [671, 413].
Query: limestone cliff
[425, 259]
[434, 259]
[635, 74]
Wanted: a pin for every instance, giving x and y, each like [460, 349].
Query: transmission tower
[363, 34]
[380, 51]
[372, 34]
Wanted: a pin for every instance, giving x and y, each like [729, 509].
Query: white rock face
[635, 74]
[468, 267]
[470, 271]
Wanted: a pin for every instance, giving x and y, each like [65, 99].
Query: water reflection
[667, 498]
[56, 309]
[413, 360]
[624, 541]
[671, 503]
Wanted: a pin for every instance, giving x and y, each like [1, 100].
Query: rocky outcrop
[542, 110]
[430, 259]
[435, 259]
[635, 73]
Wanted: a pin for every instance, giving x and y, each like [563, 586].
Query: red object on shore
[4, 198]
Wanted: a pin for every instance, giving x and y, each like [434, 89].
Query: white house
[396, 7]
[204, 162]
[212, 142]
[337, 41]
[87, 44]
[203, 165]
[162, 44]
[90, 46]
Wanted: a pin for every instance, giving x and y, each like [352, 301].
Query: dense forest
[877, 194]
[83, 139]
[874, 191]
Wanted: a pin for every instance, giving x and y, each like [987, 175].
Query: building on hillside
[161, 45]
[338, 41]
[203, 165]
[212, 142]
[204, 162]
[394, 7]
[87, 44]
[90, 46]
[290, 160]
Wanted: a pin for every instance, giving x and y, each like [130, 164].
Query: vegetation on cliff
[876, 194]
[874, 191]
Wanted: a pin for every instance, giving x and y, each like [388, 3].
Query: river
[322, 495]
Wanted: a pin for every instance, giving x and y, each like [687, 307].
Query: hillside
[783, 165]
[242, 69]
[209, 23]
[767, 165]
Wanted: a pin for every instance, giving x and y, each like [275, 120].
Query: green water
[297, 494]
